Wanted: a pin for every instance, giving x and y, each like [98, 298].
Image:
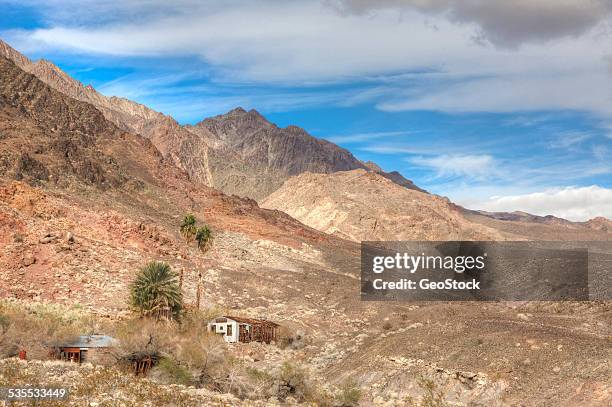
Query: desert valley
[92, 188]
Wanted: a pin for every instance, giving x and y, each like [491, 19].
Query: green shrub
[188, 227]
[156, 288]
[293, 381]
[170, 371]
[204, 238]
[349, 394]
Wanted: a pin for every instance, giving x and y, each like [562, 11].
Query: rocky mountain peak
[393, 176]
[237, 118]
[373, 166]
[45, 63]
[237, 111]
[364, 205]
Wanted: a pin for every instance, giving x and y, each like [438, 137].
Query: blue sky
[497, 107]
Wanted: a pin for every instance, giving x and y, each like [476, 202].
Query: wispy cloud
[607, 129]
[134, 86]
[568, 139]
[467, 166]
[361, 137]
[504, 93]
[602, 152]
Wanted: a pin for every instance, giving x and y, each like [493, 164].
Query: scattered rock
[28, 260]
[47, 239]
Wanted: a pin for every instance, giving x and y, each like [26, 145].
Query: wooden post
[199, 291]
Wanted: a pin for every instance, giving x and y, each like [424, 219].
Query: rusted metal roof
[91, 341]
[251, 321]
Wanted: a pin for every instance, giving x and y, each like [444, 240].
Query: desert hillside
[360, 205]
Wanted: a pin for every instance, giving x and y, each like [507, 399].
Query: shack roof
[251, 321]
[91, 341]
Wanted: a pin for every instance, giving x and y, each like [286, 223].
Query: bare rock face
[290, 150]
[270, 154]
[263, 155]
[165, 133]
[50, 137]
[124, 113]
[361, 205]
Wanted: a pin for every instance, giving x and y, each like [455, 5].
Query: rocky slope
[598, 223]
[170, 138]
[360, 205]
[124, 113]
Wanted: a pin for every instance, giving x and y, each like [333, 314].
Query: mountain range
[238, 152]
[242, 153]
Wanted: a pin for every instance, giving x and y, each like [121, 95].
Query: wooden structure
[141, 363]
[72, 354]
[163, 313]
[238, 329]
[84, 348]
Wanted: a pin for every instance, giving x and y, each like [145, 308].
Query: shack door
[244, 333]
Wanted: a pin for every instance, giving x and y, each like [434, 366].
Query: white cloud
[470, 166]
[506, 93]
[425, 55]
[573, 203]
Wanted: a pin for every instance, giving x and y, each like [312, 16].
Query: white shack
[238, 329]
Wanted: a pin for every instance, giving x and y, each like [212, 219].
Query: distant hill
[361, 205]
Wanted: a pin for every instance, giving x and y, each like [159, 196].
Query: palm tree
[204, 238]
[155, 289]
[188, 227]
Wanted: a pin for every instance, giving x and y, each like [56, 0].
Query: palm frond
[155, 287]
[204, 237]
